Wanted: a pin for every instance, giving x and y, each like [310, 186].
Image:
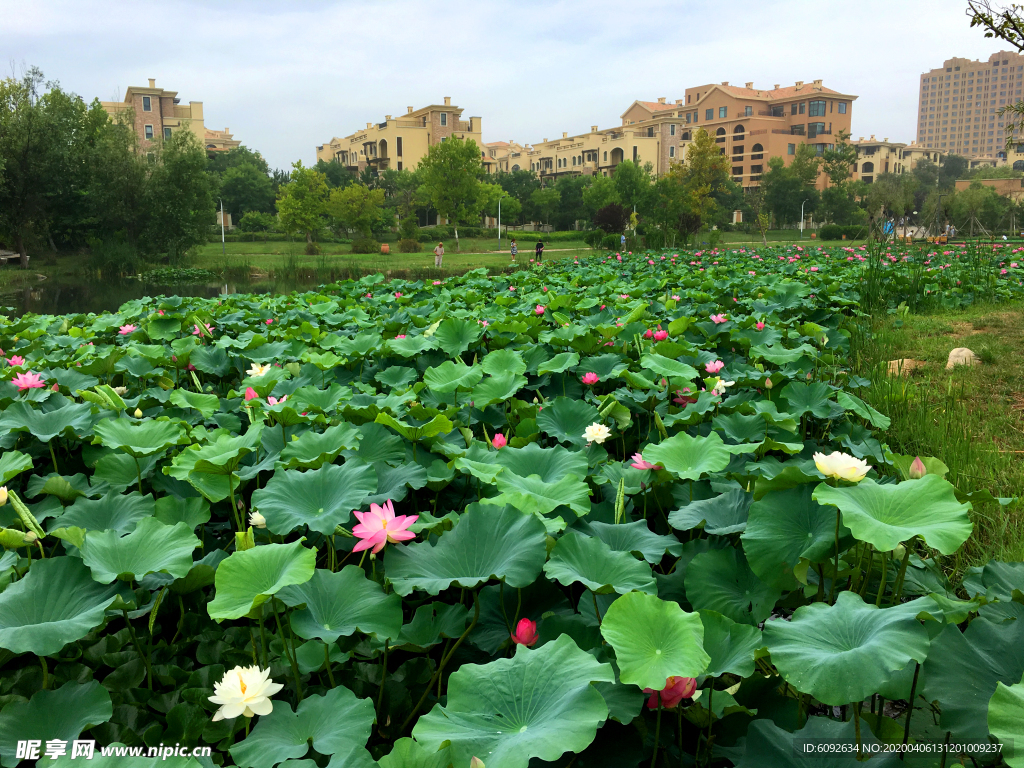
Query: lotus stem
[138, 649]
[835, 573]
[46, 672]
[289, 656]
[383, 674]
[53, 456]
[596, 609]
[867, 572]
[897, 588]
[856, 726]
[711, 722]
[138, 472]
[657, 732]
[910, 709]
[263, 640]
[501, 599]
[885, 575]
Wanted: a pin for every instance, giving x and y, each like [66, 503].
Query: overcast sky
[288, 76]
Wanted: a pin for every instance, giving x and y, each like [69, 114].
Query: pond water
[64, 295]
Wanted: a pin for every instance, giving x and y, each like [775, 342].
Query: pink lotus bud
[250, 394]
[269, 321]
[591, 378]
[499, 441]
[539, 309]
[526, 633]
[917, 469]
[647, 334]
[660, 335]
[714, 366]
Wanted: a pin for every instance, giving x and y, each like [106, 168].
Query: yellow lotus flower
[244, 691]
[3, 495]
[258, 370]
[841, 466]
[256, 520]
[597, 433]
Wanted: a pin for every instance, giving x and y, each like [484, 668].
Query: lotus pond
[629, 510]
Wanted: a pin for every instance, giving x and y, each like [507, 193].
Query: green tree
[837, 162]
[336, 174]
[571, 206]
[545, 202]
[786, 192]
[806, 164]
[301, 203]
[246, 188]
[218, 162]
[953, 167]
[705, 172]
[119, 179]
[451, 174]
[632, 183]
[667, 207]
[357, 207]
[254, 221]
[600, 193]
[890, 196]
[179, 196]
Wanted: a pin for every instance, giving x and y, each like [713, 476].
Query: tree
[632, 182]
[705, 171]
[571, 208]
[667, 207]
[836, 162]
[357, 207]
[600, 193]
[179, 196]
[451, 173]
[953, 167]
[806, 164]
[245, 188]
[786, 193]
[301, 203]
[545, 201]
[336, 174]
[612, 218]
[891, 196]
[118, 183]
[220, 162]
[254, 221]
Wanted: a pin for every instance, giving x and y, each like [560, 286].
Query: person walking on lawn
[515, 249]
[540, 251]
[439, 255]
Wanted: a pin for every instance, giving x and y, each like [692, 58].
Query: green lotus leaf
[638, 539]
[13, 463]
[44, 424]
[742, 428]
[311, 398]
[450, 376]
[314, 449]
[151, 548]
[720, 515]
[61, 714]
[56, 603]
[439, 425]
[394, 482]
[479, 462]
[487, 543]
[689, 457]
[455, 335]
[111, 512]
[731, 646]
[223, 455]
[193, 511]
[139, 439]
[550, 464]
[853, 403]
[321, 499]
[411, 346]
[594, 564]
[538, 704]
[810, 398]
[607, 366]
[503, 361]
[653, 640]
[397, 377]
[532, 494]
[785, 526]
[885, 515]
[339, 604]
[335, 723]
[845, 652]
[249, 577]
[433, 621]
[964, 669]
[720, 580]
[566, 419]
[769, 745]
[207, 405]
[559, 363]
[408, 753]
[666, 366]
[1006, 720]
[496, 389]
[211, 360]
[119, 470]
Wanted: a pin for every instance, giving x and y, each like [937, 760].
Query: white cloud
[286, 77]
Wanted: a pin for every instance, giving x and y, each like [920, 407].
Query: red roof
[655, 106]
[789, 92]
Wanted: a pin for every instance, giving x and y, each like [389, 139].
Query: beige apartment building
[958, 105]
[159, 113]
[875, 157]
[400, 143]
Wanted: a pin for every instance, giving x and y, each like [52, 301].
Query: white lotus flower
[720, 385]
[121, 391]
[244, 691]
[3, 495]
[841, 466]
[597, 433]
[256, 520]
[258, 370]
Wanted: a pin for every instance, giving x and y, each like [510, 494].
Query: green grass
[972, 418]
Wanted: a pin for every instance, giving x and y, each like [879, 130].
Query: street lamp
[499, 219]
[223, 248]
[802, 219]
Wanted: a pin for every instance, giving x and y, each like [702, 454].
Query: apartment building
[400, 143]
[159, 113]
[875, 157]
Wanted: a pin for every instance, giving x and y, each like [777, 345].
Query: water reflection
[65, 296]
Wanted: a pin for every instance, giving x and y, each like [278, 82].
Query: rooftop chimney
[152, 82]
[661, 99]
[387, 117]
[565, 135]
[799, 84]
[679, 101]
[447, 101]
[749, 85]
[886, 139]
[725, 82]
[545, 140]
[408, 110]
[369, 124]
[593, 129]
[776, 87]
[872, 137]
[818, 83]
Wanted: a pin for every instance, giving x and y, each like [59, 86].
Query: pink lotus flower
[160, 312]
[760, 326]
[603, 306]
[126, 329]
[250, 394]
[269, 321]
[526, 633]
[714, 366]
[398, 294]
[381, 526]
[660, 335]
[716, 319]
[55, 387]
[539, 309]
[647, 334]
[499, 441]
[369, 295]
[275, 401]
[28, 380]
[676, 689]
[196, 331]
[512, 287]
[591, 378]
[675, 297]
[437, 282]
[545, 289]
[400, 336]
[640, 463]
[15, 360]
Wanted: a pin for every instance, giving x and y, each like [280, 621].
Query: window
[149, 131]
[756, 169]
[817, 108]
[737, 171]
[791, 149]
[147, 104]
[723, 112]
[794, 109]
[815, 129]
[400, 165]
[167, 134]
[671, 151]
[636, 155]
[709, 114]
[748, 111]
[842, 107]
[796, 130]
[672, 130]
[803, 104]
[650, 131]
[606, 157]
[757, 152]
[398, 146]
[867, 168]
[444, 118]
[737, 150]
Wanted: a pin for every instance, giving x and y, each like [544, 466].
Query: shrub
[312, 248]
[409, 245]
[115, 257]
[831, 232]
[610, 242]
[365, 245]
[409, 229]
[593, 238]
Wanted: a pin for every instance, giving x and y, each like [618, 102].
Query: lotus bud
[373, 556]
[3, 495]
[917, 469]
[476, 762]
[768, 383]
[256, 520]
[899, 552]
[138, 413]
[30, 537]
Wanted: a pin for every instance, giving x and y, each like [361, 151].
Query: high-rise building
[958, 105]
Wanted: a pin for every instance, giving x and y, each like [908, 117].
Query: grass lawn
[970, 417]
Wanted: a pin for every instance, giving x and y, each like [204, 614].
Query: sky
[285, 77]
